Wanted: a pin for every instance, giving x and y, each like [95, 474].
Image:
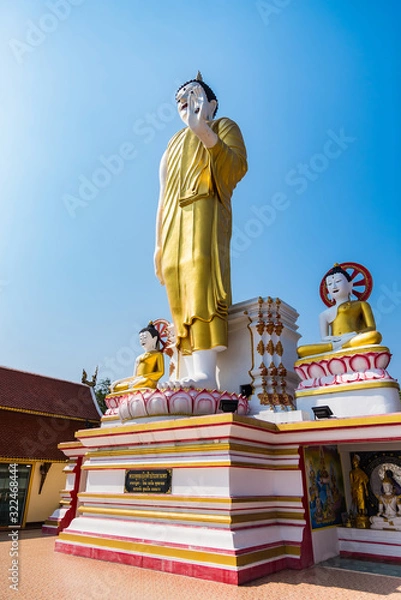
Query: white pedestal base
[370, 544]
[233, 512]
[353, 403]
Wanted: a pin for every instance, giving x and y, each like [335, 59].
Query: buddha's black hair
[153, 332]
[338, 269]
[210, 95]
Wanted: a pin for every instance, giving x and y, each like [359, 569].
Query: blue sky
[86, 80]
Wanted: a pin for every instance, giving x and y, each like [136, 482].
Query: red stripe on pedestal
[221, 575]
[226, 551]
[49, 530]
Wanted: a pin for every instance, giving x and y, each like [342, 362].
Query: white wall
[324, 543]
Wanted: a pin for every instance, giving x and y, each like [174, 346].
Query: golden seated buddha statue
[346, 323]
[149, 367]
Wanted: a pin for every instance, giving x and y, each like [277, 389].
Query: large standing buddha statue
[198, 173]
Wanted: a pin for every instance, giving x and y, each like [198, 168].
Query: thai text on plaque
[148, 481]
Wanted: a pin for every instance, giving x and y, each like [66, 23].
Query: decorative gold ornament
[269, 322]
[287, 400]
[275, 399]
[278, 326]
[92, 382]
[269, 326]
[264, 398]
[199, 76]
[260, 348]
[282, 371]
[272, 369]
[263, 369]
[260, 324]
[260, 327]
[270, 347]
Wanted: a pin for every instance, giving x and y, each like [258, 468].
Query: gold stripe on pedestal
[222, 420]
[345, 423]
[347, 388]
[194, 464]
[171, 499]
[200, 447]
[157, 515]
[307, 360]
[183, 554]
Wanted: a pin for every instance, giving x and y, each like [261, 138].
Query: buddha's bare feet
[200, 368]
[197, 381]
[168, 385]
[176, 384]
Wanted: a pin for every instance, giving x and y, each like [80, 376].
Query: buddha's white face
[147, 341]
[195, 89]
[338, 287]
[387, 487]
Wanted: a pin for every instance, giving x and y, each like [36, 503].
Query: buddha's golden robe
[351, 316]
[149, 369]
[196, 233]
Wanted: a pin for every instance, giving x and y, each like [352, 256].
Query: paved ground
[47, 575]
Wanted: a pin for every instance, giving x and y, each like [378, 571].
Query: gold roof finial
[336, 265]
[199, 76]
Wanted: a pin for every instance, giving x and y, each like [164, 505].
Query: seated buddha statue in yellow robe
[346, 324]
[149, 367]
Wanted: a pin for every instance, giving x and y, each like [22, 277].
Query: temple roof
[34, 437]
[23, 391]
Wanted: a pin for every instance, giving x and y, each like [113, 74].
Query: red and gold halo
[162, 326]
[362, 283]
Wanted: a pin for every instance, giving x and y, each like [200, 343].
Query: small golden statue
[359, 492]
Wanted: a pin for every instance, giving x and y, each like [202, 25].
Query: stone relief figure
[198, 173]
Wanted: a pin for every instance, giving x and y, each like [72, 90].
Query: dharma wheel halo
[362, 283]
[162, 326]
